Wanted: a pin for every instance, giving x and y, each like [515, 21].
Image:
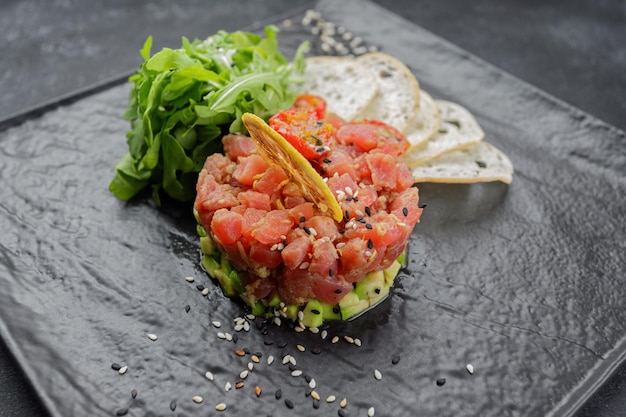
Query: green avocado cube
[352, 305]
[391, 272]
[330, 312]
[370, 286]
[313, 314]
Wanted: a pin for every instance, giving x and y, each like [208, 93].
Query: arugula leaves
[182, 100]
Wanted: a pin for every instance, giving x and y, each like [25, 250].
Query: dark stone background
[575, 50]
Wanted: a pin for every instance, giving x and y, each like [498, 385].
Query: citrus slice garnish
[275, 149]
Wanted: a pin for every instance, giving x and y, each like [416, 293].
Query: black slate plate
[524, 282]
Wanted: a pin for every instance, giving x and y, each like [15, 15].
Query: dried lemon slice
[276, 150]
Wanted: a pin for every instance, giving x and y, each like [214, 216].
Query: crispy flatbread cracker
[480, 162]
[426, 123]
[397, 101]
[458, 130]
[277, 151]
[347, 85]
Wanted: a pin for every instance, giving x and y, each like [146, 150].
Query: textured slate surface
[531, 310]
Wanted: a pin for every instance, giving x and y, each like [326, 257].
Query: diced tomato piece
[312, 103]
[331, 290]
[226, 226]
[304, 131]
[334, 120]
[236, 146]
[254, 199]
[262, 255]
[324, 259]
[273, 227]
[249, 168]
[383, 168]
[296, 252]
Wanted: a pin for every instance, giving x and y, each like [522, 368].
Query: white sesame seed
[243, 374]
[255, 359]
[220, 407]
[197, 399]
[346, 36]
[357, 342]
[313, 231]
[227, 387]
[326, 48]
[298, 329]
[312, 383]
[358, 213]
[292, 360]
[216, 324]
[300, 315]
[371, 412]
[325, 179]
[348, 339]
[123, 370]
[286, 359]
[274, 247]
[331, 399]
[470, 368]
[205, 291]
[314, 330]
[304, 265]
[297, 372]
[373, 48]
[340, 245]
[228, 336]
[359, 50]
[189, 279]
[335, 339]
[221, 335]
[315, 30]
[315, 395]
[301, 348]
[277, 321]
[152, 336]
[348, 190]
[250, 366]
[343, 403]
[270, 360]
[246, 326]
[356, 194]
[238, 327]
[377, 374]
[367, 253]
[324, 334]
[209, 375]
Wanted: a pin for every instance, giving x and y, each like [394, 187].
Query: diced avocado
[292, 312]
[351, 305]
[330, 312]
[229, 280]
[273, 300]
[370, 286]
[391, 272]
[200, 231]
[207, 245]
[402, 258]
[313, 314]
[258, 309]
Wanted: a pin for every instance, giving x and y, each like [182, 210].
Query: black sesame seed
[368, 226]
[405, 211]
[330, 272]
[278, 394]
[422, 206]
[268, 342]
[289, 403]
[322, 171]
[173, 405]
[336, 310]
[235, 338]
[441, 381]
[319, 124]
[351, 143]
[355, 199]
[187, 308]
[292, 367]
[200, 287]
[116, 366]
[377, 290]
[133, 393]
[302, 219]
[282, 344]
[246, 350]
[338, 291]
[121, 412]
[315, 311]
[360, 219]
[307, 392]
[316, 404]
[306, 230]
[342, 231]
[320, 150]
[368, 211]
[347, 214]
[395, 359]
[342, 412]
[316, 350]
[327, 160]
[370, 244]
[348, 198]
